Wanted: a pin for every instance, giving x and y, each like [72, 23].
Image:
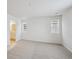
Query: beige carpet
[34, 50]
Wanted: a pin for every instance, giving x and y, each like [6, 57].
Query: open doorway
[12, 33]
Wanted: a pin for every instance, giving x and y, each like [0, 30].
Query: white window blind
[55, 24]
[24, 27]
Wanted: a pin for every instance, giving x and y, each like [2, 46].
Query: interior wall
[18, 27]
[67, 28]
[39, 29]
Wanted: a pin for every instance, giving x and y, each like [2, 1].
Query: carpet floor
[24, 49]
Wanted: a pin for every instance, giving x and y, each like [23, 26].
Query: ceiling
[30, 8]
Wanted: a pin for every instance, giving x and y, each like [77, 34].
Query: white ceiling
[30, 8]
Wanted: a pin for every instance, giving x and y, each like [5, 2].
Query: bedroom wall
[67, 28]
[39, 29]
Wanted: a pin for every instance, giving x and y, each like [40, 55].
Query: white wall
[38, 29]
[67, 28]
[18, 27]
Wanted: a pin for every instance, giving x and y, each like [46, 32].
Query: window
[25, 27]
[55, 24]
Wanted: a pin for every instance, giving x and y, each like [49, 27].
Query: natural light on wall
[12, 33]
